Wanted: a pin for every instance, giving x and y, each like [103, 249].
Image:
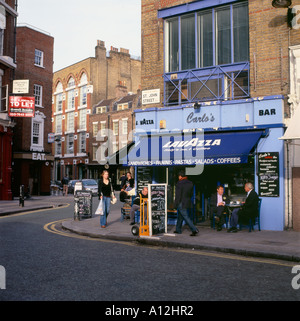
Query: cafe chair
[214, 220]
[125, 210]
[254, 222]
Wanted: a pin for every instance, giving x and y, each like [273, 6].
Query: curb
[173, 244]
[24, 210]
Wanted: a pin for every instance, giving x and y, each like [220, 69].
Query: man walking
[183, 194]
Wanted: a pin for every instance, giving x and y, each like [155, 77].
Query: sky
[76, 25]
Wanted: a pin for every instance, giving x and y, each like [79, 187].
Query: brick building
[221, 69]
[77, 89]
[32, 152]
[8, 17]
[112, 123]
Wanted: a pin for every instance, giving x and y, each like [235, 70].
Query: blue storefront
[225, 143]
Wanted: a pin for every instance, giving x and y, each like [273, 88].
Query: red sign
[21, 106]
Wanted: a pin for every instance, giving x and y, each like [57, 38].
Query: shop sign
[21, 106]
[268, 174]
[38, 156]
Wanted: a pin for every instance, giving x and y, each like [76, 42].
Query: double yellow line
[51, 227]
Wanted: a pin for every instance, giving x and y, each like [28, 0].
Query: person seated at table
[128, 185]
[249, 209]
[218, 206]
[136, 205]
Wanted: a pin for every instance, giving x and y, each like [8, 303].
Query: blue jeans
[106, 208]
[182, 215]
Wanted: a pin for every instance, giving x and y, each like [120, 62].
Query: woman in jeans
[104, 192]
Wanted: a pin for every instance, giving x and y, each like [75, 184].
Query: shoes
[194, 233]
[176, 232]
[232, 230]
[103, 226]
[132, 223]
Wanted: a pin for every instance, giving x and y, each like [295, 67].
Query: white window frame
[115, 128]
[58, 124]
[82, 119]
[38, 95]
[39, 58]
[71, 122]
[38, 119]
[82, 143]
[125, 126]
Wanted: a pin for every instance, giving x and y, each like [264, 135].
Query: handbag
[113, 199]
[99, 210]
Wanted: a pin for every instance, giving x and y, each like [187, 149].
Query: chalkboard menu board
[83, 205]
[157, 196]
[144, 177]
[268, 174]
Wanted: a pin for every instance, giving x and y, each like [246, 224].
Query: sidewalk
[283, 245]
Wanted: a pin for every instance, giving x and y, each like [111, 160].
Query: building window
[101, 110]
[71, 99]
[115, 127]
[58, 148]
[82, 143]
[39, 58]
[207, 55]
[70, 122]
[124, 126]
[103, 128]
[95, 129]
[58, 124]
[59, 103]
[83, 95]
[36, 133]
[122, 106]
[82, 119]
[70, 144]
[38, 95]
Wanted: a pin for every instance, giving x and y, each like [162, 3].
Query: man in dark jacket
[183, 195]
[247, 211]
[218, 206]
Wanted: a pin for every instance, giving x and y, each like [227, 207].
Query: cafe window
[207, 55]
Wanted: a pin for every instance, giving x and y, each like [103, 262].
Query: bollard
[21, 198]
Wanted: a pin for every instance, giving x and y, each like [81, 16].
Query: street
[44, 263]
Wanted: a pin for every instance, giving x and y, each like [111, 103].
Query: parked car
[88, 185]
[71, 185]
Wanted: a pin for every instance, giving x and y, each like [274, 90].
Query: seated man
[218, 206]
[136, 205]
[247, 211]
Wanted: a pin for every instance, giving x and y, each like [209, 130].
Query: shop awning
[193, 149]
[293, 130]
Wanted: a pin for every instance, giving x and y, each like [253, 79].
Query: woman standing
[104, 191]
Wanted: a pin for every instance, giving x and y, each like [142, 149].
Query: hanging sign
[21, 106]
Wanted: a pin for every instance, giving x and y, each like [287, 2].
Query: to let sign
[21, 106]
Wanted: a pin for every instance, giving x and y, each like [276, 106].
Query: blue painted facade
[264, 113]
[222, 90]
